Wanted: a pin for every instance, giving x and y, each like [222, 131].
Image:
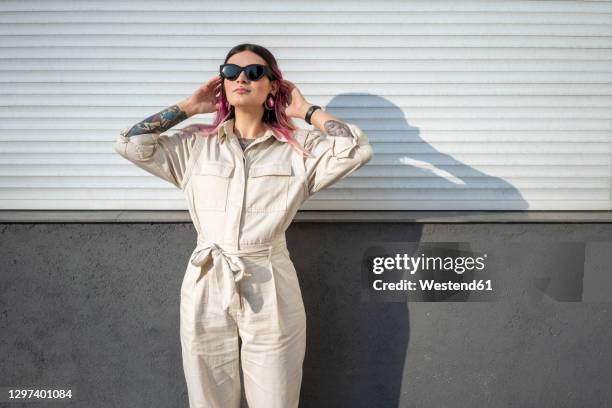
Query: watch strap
[310, 112]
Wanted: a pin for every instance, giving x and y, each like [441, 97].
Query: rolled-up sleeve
[334, 157]
[166, 155]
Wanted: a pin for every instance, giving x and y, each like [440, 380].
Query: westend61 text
[429, 284]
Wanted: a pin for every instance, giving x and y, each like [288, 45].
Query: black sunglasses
[253, 72]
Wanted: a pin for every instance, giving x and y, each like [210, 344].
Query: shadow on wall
[406, 167]
[357, 349]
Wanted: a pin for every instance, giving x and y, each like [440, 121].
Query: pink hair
[276, 119]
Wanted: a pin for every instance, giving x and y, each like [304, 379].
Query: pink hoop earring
[271, 103]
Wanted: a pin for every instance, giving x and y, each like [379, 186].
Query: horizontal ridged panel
[471, 105]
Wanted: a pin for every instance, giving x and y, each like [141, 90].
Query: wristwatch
[310, 112]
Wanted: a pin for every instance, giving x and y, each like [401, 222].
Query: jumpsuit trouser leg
[267, 312]
[273, 333]
[209, 342]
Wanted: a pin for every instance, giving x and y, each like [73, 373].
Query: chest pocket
[267, 187]
[212, 180]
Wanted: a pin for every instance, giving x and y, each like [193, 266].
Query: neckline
[231, 123]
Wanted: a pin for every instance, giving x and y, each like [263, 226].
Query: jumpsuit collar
[227, 127]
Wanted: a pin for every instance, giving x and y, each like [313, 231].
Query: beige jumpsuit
[240, 280]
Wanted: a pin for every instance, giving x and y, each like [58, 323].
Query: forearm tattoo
[160, 122]
[337, 128]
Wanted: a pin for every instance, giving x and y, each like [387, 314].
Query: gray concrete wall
[94, 307]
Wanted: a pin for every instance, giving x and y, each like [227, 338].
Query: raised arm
[164, 155]
[159, 122]
[339, 149]
[169, 156]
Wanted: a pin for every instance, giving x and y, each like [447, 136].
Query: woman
[244, 177]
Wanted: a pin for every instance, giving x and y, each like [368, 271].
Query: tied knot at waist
[227, 266]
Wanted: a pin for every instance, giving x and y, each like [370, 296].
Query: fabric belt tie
[227, 267]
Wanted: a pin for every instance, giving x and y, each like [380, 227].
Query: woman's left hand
[298, 106]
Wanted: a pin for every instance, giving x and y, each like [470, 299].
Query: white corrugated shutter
[469, 105]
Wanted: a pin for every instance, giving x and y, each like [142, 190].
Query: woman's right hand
[203, 100]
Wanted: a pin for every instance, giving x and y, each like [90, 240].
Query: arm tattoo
[337, 128]
[160, 122]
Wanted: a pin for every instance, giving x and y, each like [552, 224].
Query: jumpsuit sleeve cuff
[342, 146]
[143, 144]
